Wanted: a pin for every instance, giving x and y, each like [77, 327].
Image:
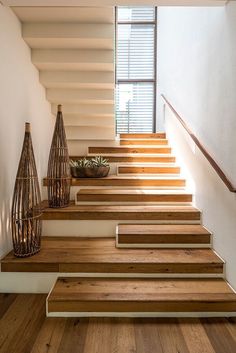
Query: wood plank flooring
[25, 329]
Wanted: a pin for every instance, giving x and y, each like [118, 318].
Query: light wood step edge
[129, 150]
[127, 181]
[115, 295]
[147, 135]
[137, 159]
[166, 236]
[116, 212]
[140, 142]
[124, 195]
[148, 170]
[99, 255]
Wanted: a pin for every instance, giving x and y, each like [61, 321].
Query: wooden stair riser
[139, 142]
[148, 170]
[129, 150]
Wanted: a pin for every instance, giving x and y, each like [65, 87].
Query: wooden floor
[25, 329]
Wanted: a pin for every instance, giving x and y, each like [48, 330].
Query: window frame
[154, 80]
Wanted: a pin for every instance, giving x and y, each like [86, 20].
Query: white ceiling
[113, 2]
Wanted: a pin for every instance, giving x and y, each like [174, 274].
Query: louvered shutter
[135, 70]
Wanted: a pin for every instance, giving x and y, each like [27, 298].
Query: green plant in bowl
[96, 167]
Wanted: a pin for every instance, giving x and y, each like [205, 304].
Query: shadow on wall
[5, 221]
[212, 197]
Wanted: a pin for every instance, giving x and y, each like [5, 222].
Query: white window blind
[135, 69]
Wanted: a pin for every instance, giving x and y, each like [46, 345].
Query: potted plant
[96, 167]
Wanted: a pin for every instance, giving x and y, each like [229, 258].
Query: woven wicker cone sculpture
[26, 206]
[59, 177]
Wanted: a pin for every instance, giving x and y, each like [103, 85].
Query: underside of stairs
[73, 49]
[130, 244]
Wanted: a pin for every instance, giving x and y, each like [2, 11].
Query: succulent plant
[99, 161]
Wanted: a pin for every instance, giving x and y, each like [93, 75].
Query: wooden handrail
[213, 163]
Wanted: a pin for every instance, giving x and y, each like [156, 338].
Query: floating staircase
[131, 244]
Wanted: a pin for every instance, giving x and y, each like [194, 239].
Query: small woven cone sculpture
[58, 176]
[26, 206]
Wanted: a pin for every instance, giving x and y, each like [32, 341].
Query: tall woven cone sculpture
[59, 177]
[26, 206]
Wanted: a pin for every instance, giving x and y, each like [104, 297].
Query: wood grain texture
[138, 181]
[132, 195]
[21, 322]
[171, 337]
[101, 255]
[148, 170]
[106, 335]
[220, 337]
[5, 301]
[163, 234]
[140, 295]
[157, 135]
[134, 159]
[152, 142]
[131, 150]
[120, 212]
[194, 332]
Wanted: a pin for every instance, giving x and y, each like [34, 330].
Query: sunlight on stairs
[130, 244]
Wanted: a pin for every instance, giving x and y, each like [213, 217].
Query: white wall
[197, 74]
[22, 98]
[211, 196]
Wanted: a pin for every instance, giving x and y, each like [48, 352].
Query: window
[136, 69]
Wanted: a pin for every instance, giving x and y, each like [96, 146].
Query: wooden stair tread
[132, 191]
[130, 150]
[137, 229]
[120, 212]
[136, 177]
[132, 195]
[156, 235]
[147, 142]
[114, 180]
[76, 254]
[140, 295]
[67, 287]
[160, 169]
[134, 158]
[144, 135]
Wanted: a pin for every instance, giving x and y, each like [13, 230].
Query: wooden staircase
[155, 257]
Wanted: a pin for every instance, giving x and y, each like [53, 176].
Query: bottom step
[73, 296]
